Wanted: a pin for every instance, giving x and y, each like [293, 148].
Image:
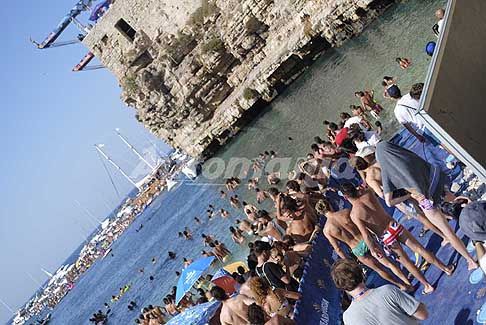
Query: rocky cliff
[196, 71]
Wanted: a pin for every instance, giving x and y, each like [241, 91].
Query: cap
[393, 91]
[365, 151]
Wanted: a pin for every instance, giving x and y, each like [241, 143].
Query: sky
[51, 118]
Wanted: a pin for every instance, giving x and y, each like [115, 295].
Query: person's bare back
[369, 211]
[235, 310]
[301, 227]
[340, 226]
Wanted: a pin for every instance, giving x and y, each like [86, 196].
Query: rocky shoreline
[197, 83]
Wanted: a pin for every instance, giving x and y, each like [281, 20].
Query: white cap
[365, 151]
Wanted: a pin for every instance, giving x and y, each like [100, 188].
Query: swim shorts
[391, 235]
[361, 250]
[426, 204]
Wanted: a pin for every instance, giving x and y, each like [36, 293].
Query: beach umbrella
[225, 281]
[197, 315]
[190, 275]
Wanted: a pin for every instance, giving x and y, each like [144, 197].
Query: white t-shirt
[406, 112]
[440, 25]
[353, 120]
[372, 139]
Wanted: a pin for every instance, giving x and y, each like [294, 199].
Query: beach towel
[403, 169]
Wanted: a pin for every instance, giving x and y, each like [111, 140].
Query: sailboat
[170, 184]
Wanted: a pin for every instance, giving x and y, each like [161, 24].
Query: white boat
[19, 318]
[192, 168]
[170, 184]
[106, 253]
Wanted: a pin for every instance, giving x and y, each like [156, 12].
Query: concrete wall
[456, 86]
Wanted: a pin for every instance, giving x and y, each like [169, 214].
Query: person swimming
[404, 63]
[171, 255]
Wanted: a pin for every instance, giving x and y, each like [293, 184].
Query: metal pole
[133, 149]
[116, 166]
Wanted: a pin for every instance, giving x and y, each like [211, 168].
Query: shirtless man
[301, 222]
[370, 172]
[368, 102]
[260, 195]
[237, 235]
[340, 228]
[224, 214]
[370, 217]
[234, 310]
[276, 229]
[244, 226]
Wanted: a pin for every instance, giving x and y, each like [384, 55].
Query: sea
[286, 126]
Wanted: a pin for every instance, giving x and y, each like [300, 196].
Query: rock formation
[197, 70]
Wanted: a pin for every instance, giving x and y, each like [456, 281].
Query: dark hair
[273, 191]
[326, 122]
[387, 78]
[358, 163]
[260, 247]
[346, 274]
[232, 229]
[218, 293]
[416, 90]
[360, 93]
[383, 83]
[344, 115]
[256, 315]
[378, 124]
[314, 147]
[293, 185]
[318, 140]
[333, 126]
[397, 60]
[244, 203]
[241, 270]
[289, 203]
[349, 190]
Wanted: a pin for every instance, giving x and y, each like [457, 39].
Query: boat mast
[87, 212]
[49, 274]
[133, 149]
[7, 306]
[98, 148]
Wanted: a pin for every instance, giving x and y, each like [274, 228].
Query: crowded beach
[348, 190]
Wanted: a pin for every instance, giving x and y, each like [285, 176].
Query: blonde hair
[260, 288]
[323, 206]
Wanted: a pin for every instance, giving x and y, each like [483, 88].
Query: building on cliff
[197, 70]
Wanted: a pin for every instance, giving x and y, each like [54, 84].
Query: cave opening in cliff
[125, 29]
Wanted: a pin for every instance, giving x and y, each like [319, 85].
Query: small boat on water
[45, 320]
[170, 184]
[106, 253]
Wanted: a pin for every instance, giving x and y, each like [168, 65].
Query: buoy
[430, 47]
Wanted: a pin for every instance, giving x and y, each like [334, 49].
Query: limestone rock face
[193, 68]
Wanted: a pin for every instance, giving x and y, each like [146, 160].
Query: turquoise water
[323, 91]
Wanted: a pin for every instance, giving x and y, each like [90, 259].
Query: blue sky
[51, 117]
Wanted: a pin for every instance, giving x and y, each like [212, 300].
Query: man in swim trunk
[368, 102]
[369, 216]
[340, 228]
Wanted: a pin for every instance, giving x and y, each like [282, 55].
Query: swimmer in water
[172, 255]
[404, 63]
[224, 214]
[222, 194]
[197, 221]
[154, 260]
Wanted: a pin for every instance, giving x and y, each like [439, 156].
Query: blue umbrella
[99, 10]
[197, 315]
[190, 275]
